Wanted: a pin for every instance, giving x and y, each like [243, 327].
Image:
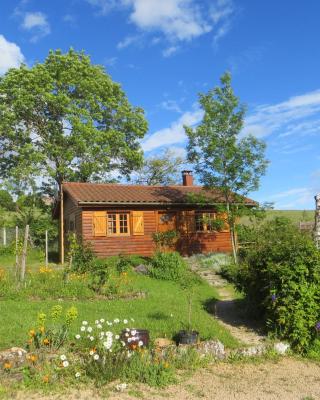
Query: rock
[281, 348]
[141, 269]
[14, 356]
[163, 342]
[212, 348]
[252, 351]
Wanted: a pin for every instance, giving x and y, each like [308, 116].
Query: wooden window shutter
[137, 223]
[99, 223]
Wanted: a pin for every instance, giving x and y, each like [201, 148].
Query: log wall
[192, 243]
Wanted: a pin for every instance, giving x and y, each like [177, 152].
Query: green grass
[294, 215]
[163, 311]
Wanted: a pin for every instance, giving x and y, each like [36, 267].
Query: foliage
[65, 120]
[221, 158]
[150, 369]
[280, 276]
[165, 239]
[163, 169]
[51, 334]
[168, 266]
[99, 275]
[6, 200]
[81, 255]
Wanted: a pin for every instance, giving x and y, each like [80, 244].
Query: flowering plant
[103, 351]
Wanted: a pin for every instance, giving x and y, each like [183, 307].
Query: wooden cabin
[121, 219]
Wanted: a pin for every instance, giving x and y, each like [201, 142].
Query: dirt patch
[287, 379]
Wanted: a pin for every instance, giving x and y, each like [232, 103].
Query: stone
[14, 356]
[212, 348]
[252, 351]
[141, 269]
[281, 348]
[163, 342]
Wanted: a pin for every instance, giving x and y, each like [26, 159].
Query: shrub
[280, 276]
[165, 239]
[81, 255]
[168, 266]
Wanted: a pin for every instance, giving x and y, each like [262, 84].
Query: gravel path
[227, 310]
[287, 379]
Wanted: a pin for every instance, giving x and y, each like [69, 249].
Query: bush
[168, 266]
[81, 255]
[280, 276]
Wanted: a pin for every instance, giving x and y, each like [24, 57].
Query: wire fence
[12, 237]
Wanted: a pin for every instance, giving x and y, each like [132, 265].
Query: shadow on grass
[235, 313]
[158, 315]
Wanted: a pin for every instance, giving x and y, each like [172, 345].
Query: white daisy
[96, 357]
[78, 337]
[77, 375]
[89, 329]
[65, 364]
[63, 357]
[83, 328]
[84, 322]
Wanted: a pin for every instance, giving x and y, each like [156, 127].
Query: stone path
[228, 309]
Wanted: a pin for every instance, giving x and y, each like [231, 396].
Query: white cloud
[127, 41]
[171, 105]
[170, 51]
[11, 55]
[37, 23]
[295, 198]
[111, 62]
[176, 20]
[299, 115]
[174, 134]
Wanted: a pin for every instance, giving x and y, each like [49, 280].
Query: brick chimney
[187, 178]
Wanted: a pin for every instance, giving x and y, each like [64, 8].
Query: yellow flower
[7, 365]
[33, 358]
[46, 342]
[166, 365]
[32, 332]
[42, 329]
[45, 378]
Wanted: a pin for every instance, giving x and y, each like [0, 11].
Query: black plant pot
[187, 337]
[133, 336]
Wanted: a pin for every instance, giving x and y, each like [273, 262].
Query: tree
[65, 119]
[164, 169]
[222, 158]
[6, 200]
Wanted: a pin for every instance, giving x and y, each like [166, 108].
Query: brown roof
[97, 193]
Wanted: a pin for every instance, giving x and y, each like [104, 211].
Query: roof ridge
[131, 185]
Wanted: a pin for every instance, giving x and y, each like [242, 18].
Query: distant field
[294, 215]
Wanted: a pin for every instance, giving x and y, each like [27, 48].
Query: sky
[165, 52]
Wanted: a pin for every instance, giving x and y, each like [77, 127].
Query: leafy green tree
[163, 169]
[222, 158]
[6, 200]
[65, 120]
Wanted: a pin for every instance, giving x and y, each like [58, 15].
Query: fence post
[17, 252]
[46, 248]
[4, 236]
[24, 253]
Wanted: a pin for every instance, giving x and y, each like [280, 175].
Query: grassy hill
[295, 216]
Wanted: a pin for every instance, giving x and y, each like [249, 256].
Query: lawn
[163, 311]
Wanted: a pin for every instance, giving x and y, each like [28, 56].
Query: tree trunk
[24, 254]
[232, 234]
[61, 233]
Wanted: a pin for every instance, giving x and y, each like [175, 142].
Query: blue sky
[164, 52]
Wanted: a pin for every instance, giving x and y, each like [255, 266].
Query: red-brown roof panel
[128, 194]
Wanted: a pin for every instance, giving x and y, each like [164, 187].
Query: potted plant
[188, 335]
